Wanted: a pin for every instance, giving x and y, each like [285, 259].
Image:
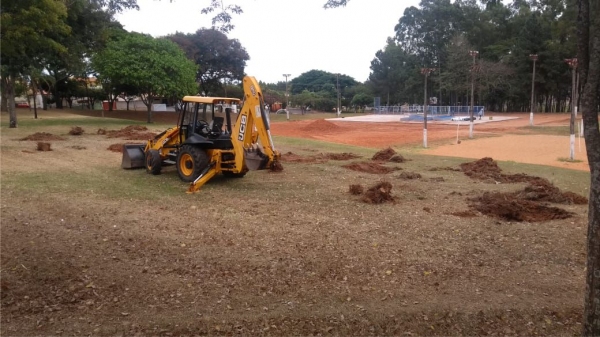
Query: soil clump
[42, 136]
[486, 169]
[356, 189]
[409, 175]
[340, 156]
[369, 167]
[378, 194]
[43, 146]
[76, 131]
[116, 147]
[499, 206]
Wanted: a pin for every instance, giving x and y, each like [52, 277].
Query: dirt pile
[76, 131]
[276, 167]
[116, 147]
[340, 156]
[377, 194]
[527, 204]
[384, 155]
[409, 175]
[321, 125]
[42, 136]
[501, 206]
[543, 190]
[356, 189]
[294, 158]
[486, 169]
[388, 154]
[131, 132]
[369, 167]
[42, 146]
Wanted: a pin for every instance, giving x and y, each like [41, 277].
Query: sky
[285, 36]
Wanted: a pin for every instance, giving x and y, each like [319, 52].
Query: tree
[91, 26]
[28, 28]
[219, 59]
[222, 20]
[156, 67]
[588, 29]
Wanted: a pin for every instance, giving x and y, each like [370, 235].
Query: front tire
[191, 161]
[153, 162]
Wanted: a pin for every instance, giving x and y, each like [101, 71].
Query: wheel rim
[149, 161]
[186, 164]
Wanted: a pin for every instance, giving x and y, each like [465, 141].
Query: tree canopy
[156, 67]
[219, 59]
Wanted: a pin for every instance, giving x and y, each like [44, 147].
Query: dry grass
[90, 249]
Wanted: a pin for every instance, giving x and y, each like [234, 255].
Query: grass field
[91, 249]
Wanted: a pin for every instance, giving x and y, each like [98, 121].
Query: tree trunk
[588, 31]
[148, 102]
[12, 111]
[34, 89]
[4, 106]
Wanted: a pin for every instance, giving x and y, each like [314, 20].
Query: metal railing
[431, 109]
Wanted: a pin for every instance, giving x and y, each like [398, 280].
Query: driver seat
[217, 125]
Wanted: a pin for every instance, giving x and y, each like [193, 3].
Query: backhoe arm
[252, 118]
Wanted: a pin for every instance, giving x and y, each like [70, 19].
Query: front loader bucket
[133, 156]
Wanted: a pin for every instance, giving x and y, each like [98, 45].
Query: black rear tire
[191, 161]
[153, 162]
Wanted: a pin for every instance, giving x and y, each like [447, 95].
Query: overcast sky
[286, 36]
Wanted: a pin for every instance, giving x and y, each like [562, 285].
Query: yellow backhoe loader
[206, 142]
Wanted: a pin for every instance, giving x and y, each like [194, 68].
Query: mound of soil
[356, 189]
[41, 146]
[410, 175]
[341, 156]
[524, 205]
[116, 147]
[384, 155]
[101, 131]
[511, 209]
[379, 194]
[76, 131]
[276, 167]
[131, 132]
[447, 168]
[42, 136]
[543, 190]
[486, 169]
[369, 167]
[398, 159]
[321, 125]
[294, 158]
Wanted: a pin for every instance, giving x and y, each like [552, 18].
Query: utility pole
[287, 96]
[426, 72]
[533, 57]
[573, 64]
[473, 53]
[339, 112]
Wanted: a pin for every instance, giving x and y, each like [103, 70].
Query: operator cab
[208, 120]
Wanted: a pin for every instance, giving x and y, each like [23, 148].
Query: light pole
[338, 95]
[426, 72]
[533, 57]
[473, 53]
[573, 64]
[287, 96]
